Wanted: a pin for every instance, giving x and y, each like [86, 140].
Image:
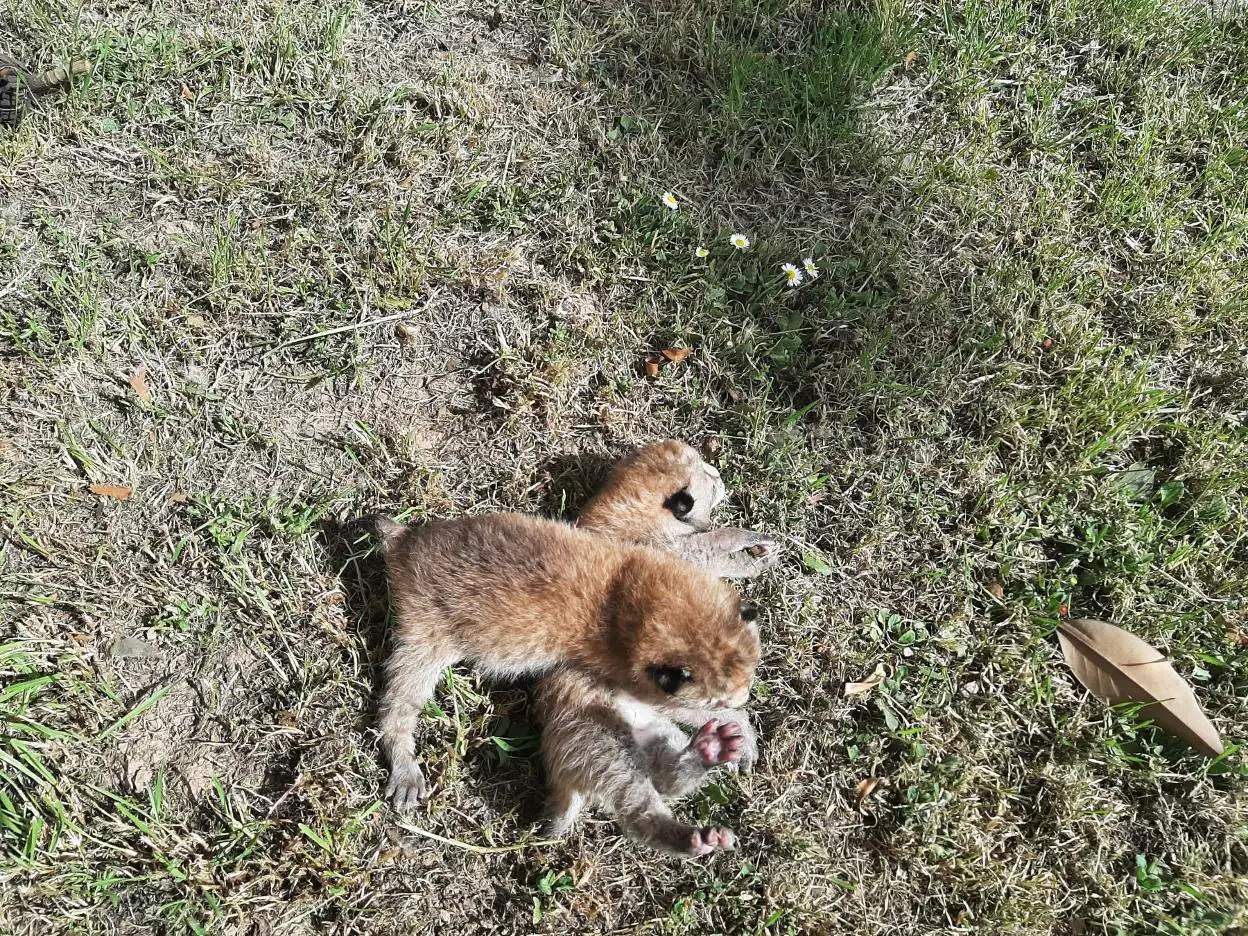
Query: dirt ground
[275, 265]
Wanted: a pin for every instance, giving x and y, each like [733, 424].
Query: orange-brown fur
[631, 504]
[662, 495]
[518, 595]
[611, 751]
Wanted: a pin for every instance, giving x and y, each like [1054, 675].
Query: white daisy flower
[792, 274]
[811, 270]
[740, 241]
[701, 253]
[670, 200]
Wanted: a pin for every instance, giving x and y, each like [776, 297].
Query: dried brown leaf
[138, 383]
[1116, 666]
[652, 368]
[110, 490]
[676, 355]
[859, 688]
[196, 321]
[177, 497]
[863, 792]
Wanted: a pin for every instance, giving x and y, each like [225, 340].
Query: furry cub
[662, 495]
[518, 596]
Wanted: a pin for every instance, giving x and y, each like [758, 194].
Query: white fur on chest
[644, 721]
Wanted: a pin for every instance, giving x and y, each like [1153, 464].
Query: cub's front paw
[744, 554]
[718, 743]
[730, 540]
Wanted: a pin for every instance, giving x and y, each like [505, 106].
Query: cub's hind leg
[646, 818]
[412, 674]
[563, 808]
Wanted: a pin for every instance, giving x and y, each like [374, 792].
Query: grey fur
[606, 750]
[725, 552]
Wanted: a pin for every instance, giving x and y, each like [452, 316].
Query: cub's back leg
[563, 808]
[412, 672]
[644, 816]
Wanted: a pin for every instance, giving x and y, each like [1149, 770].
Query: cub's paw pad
[757, 544]
[731, 540]
[764, 550]
[718, 744]
[711, 839]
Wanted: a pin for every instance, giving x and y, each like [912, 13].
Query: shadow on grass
[351, 549]
[568, 481]
[753, 112]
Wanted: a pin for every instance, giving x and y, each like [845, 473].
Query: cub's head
[687, 639]
[661, 491]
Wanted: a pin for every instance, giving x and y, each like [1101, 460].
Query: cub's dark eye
[680, 503]
[749, 613]
[670, 678]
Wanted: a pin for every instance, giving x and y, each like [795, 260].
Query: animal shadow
[569, 481]
[351, 549]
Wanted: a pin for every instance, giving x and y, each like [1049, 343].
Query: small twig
[354, 326]
[475, 849]
[337, 331]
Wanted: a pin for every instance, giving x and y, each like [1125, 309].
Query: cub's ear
[670, 678]
[749, 613]
[680, 503]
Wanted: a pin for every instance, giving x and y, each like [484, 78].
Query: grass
[412, 257]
